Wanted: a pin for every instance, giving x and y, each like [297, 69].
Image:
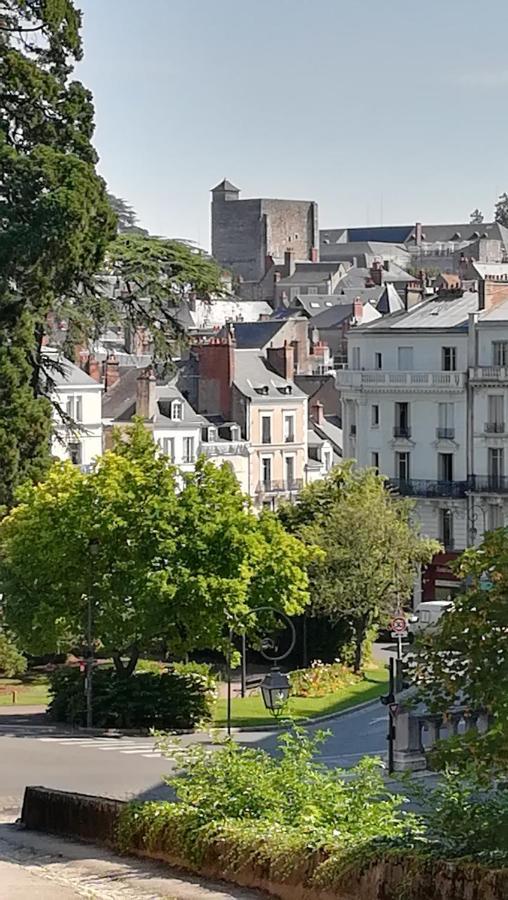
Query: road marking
[377, 721]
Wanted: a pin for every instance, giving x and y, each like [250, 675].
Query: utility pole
[391, 726]
[93, 549]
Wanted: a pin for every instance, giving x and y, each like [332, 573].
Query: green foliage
[321, 679]
[501, 210]
[147, 700]
[467, 655]
[126, 216]
[179, 565]
[56, 221]
[12, 662]
[476, 217]
[193, 668]
[371, 549]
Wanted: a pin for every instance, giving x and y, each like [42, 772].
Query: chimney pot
[146, 401]
[111, 371]
[317, 413]
[93, 368]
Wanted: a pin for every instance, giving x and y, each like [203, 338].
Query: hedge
[169, 700]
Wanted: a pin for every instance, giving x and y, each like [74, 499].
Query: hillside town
[253, 452]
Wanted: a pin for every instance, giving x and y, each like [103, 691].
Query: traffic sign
[398, 626]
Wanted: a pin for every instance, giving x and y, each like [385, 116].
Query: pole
[399, 646]
[243, 684]
[304, 642]
[228, 663]
[390, 735]
[89, 663]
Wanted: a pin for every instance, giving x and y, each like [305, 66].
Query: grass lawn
[251, 710]
[31, 689]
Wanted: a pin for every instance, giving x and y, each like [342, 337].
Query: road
[128, 767]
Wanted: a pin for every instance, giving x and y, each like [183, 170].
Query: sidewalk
[51, 868]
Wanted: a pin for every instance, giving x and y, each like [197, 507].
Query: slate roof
[311, 273]
[329, 318]
[430, 314]
[498, 313]
[225, 185]
[389, 301]
[356, 276]
[119, 403]
[252, 373]
[404, 234]
[330, 430]
[72, 376]
[254, 335]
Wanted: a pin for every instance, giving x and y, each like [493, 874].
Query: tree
[176, 561]
[372, 550]
[501, 210]
[12, 662]
[467, 655]
[476, 217]
[126, 217]
[56, 220]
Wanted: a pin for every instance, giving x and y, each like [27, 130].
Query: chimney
[146, 394]
[289, 263]
[317, 413]
[93, 368]
[418, 234]
[376, 273]
[357, 309]
[213, 363]
[282, 360]
[314, 254]
[492, 290]
[111, 371]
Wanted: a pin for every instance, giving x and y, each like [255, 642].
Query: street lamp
[93, 549]
[275, 689]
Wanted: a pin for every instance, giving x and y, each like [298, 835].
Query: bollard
[14, 696]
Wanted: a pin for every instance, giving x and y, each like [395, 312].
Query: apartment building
[424, 402]
[77, 398]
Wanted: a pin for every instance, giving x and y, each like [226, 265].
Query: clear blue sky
[392, 111]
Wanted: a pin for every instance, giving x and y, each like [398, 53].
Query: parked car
[427, 615]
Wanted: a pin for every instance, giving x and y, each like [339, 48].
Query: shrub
[12, 662]
[321, 679]
[145, 700]
[193, 668]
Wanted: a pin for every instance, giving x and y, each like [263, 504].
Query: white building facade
[424, 402]
[77, 433]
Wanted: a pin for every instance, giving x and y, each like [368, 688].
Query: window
[74, 407]
[496, 465]
[405, 359]
[374, 415]
[289, 428]
[188, 449]
[402, 466]
[356, 358]
[449, 359]
[445, 466]
[177, 410]
[402, 429]
[327, 459]
[290, 472]
[266, 429]
[266, 470]
[168, 447]
[378, 360]
[445, 428]
[495, 423]
[446, 528]
[499, 353]
[375, 460]
[495, 517]
[75, 454]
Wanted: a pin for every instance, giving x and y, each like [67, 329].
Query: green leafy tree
[476, 217]
[176, 561]
[501, 210]
[56, 220]
[466, 656]
[126, 216]
[12, 662]
[372, 549]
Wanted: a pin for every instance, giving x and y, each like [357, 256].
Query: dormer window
[286, 389]
[177, 410]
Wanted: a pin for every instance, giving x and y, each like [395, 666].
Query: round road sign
[398, 625]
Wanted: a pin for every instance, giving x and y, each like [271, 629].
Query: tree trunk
[125, 671]
[360, 635]
[36, 364]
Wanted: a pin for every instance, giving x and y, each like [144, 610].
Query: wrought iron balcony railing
[445, 434]
[494, 427]
[402, 431]
[418, 487]
[489, 484]
[279, 487]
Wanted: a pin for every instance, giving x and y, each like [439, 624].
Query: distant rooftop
[254, 378]
[430, 314]
[254, 335]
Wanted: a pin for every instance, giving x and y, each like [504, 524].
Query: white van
[427, 615]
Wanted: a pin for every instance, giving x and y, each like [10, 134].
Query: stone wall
[95, 819]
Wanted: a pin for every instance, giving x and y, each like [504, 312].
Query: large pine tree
[55, 220]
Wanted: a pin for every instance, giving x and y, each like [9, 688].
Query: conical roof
[225, 185]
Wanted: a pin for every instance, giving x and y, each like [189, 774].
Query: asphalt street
[128, 767]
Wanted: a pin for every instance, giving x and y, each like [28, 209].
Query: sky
[383, 112]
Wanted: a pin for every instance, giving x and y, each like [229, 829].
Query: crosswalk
[126, 746]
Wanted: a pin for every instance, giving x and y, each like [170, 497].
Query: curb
[307, 721]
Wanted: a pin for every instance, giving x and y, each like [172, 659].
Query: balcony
[279, 487]
[494, 427]
[488, 374]
[373, 380]
[417, 487]
[402, 431]
[224, 448]
[445, 434]
[489, 484]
